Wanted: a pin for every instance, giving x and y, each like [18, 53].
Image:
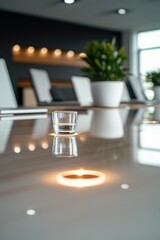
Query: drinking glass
[64, 122]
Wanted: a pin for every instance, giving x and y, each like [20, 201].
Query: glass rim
[59, 111]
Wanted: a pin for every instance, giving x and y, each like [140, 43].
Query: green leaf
[105, 61]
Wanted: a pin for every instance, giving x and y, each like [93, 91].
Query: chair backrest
[133, 90]
[125, 94]
[41, 84]
[63, 93]
[7, 95]
[137, 88]
[82, 87]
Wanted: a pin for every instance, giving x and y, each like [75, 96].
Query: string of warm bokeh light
[17, 49]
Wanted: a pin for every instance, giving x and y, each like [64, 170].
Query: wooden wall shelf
[24, 83]
[36, 57]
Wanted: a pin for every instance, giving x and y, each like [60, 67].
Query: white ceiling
[143, 15]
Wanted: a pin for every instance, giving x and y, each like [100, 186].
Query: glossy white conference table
[125, 203]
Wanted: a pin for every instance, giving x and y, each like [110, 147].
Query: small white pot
[107, 93]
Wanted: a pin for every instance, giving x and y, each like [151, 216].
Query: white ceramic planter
[107, 93]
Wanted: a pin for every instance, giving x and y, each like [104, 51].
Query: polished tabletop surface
[105, 186]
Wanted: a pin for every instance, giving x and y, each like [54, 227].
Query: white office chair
[8, 102]
[42, 85]
[125, 94]
[137, 88]
[133, 91]
[82, 88]
[45, 93]
[7, 99]
[7, 95]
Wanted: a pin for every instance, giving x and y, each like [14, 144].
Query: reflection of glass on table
[64, 146]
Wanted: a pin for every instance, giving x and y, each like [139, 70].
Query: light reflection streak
[62, 135]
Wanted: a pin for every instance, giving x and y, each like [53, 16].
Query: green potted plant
[106, 70]
[153, 77]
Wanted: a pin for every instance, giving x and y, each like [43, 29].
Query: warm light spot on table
[80, 178]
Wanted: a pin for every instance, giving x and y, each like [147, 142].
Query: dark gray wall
[39, 32]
